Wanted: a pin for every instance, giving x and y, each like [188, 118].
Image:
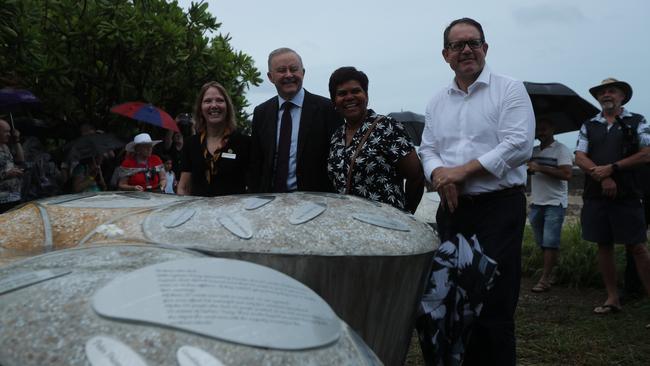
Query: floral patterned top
[9, 187]
[375, 174]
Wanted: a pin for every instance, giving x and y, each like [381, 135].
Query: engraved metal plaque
[306, 212]
[237, 225]
[253, 203]
[192, 356]
[69, 198]
[179, 218]
[227, 299]
[329, 195]
[106, 351]
[30, 278]
[136, 195]
[381, 221]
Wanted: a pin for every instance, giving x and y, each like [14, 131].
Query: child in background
[170, 186]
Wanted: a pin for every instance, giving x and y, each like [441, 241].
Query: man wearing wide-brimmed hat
[611, 147]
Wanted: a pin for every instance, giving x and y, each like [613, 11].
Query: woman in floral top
[386, 157]
[10, 174]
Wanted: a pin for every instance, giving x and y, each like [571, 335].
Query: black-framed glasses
[460, 45]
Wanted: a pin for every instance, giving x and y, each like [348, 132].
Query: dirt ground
[559, 328]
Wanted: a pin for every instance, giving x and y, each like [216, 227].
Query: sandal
[607, 309]
[541, 287]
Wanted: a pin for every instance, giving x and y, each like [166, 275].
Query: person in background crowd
[611, 146]
[87, 175]
[477, 138]
[214, 160]
[68, 167]
[11, 154]
[371, 155]
[550, 167]
[291, 132]
[171, 183]
[173, 148]
[141, 170]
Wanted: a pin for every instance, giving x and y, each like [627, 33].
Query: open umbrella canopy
[91, 145]
[147, 113]
[412, 122]
[560, 104]
[11, 98]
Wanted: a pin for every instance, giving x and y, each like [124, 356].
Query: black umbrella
[92, 145]
[412, 122]
[564, 107]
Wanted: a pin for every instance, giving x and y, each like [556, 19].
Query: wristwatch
[615, 167]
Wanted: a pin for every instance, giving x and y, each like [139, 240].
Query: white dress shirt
[493, 122]
[296, 112]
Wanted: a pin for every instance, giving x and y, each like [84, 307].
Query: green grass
[558, 327]
[577, 265]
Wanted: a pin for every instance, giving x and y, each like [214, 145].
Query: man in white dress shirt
[479, 134]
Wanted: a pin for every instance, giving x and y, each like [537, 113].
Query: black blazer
[318, 120]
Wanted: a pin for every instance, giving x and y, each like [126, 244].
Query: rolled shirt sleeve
[515, 131]
[583, 143]
[643, 130]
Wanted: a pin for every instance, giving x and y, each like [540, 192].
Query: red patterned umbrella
[146, 113]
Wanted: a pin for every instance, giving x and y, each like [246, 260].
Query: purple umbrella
[13, 98]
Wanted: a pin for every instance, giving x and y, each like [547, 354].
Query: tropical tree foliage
[80, 57]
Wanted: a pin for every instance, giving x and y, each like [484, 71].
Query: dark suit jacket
[318, 120]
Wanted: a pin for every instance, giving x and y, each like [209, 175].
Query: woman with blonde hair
[214, 161]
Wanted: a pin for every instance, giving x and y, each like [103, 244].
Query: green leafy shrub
[577, 264]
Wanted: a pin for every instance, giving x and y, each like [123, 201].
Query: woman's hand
[14, 172]
[184, 184]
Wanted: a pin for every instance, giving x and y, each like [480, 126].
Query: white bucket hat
[141, 139]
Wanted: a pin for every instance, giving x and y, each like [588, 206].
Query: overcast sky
[398, 43]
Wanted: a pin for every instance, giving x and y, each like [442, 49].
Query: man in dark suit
[291, 132]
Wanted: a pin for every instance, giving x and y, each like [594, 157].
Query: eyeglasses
[460, 45]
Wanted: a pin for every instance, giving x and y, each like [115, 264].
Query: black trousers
[498, 219]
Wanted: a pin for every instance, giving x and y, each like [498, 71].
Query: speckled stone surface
[333, 233]
[49, 323]
[70, 219]
[21, 230]
[114, 200]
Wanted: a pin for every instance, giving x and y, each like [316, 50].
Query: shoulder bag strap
[348, 183]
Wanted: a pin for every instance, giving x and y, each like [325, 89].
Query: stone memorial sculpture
[368, 260]
[149, 305]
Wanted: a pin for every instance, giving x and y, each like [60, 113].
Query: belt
[493, 194]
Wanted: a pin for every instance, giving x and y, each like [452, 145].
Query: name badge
[228, 156]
